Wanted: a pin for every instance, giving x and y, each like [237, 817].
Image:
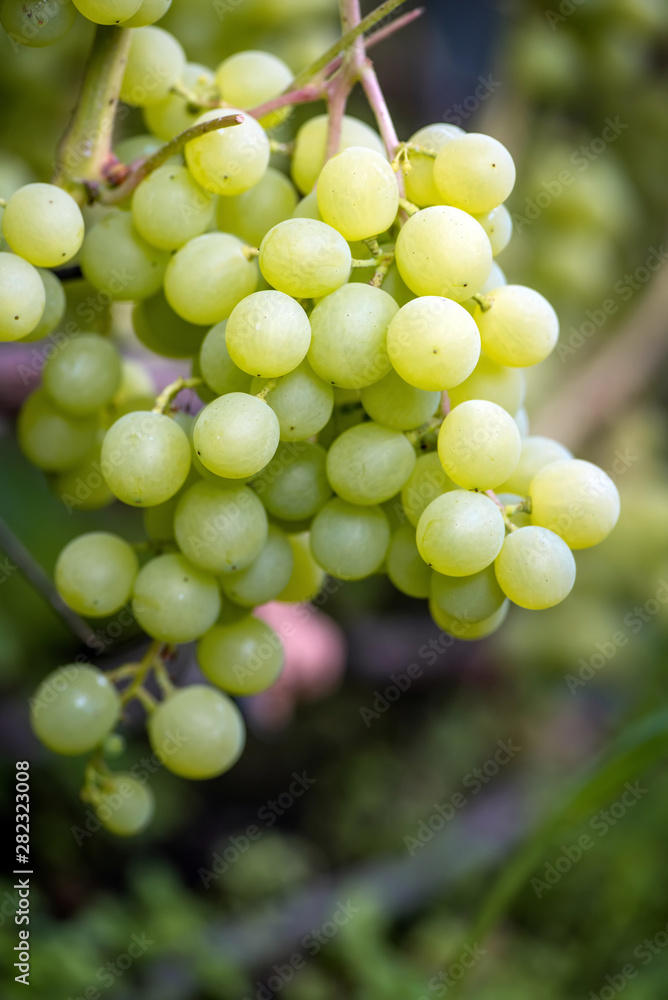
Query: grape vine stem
[170, 392]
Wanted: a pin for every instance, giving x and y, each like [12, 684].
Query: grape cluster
[360, 359]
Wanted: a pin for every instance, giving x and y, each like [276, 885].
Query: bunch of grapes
[360, 360]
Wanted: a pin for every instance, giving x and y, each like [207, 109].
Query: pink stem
[305, 95]
[378, 105]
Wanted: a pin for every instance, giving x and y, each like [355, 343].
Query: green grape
[37, 23]
[208, 277]
[268, 334]
[311, 143]
[461, 629]
[50, 439]
[217, 368]
[460, 533]
[243, 658]
[149, 12]
[43, 224]
[54, 308]
[348, 336]
[518, 328]
[489, 380]
[474, 172]
[307, 208]
[116, 260]
[221, 529]
[95, 573]
[495, 280]
[443, 251]
[169, 208]
[210, 725]
[74, 709]
[137, 147]
[537, 452]
[307, 577]
[358, 193]
[174, 114]
[433, 343]
[155, 62]
[405, 566]
[368, 464]
[163, 331]
[145, 458]
[22, 297]
[204, 392]
[252, 214]
[83, 376]
[467, 598]
[302, 402]
[229, 160]
[350, 541]
[236, 435]
[304, 258]
[294, 485]
[266, 576]
[173, 600]
[136, 380]
[498, 224]
[107, 11]
[83, 487]
[159, 520]
[479, 445]
[535, 568]
[420, 187]
[248, 79]
[427, 481]
[124, 805]
[576, 500]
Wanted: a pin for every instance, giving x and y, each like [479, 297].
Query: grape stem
[266, 388]
[142, 669]
[420, 436]
[508, 509]
[170, 392]
[408, 207]
[484, 301]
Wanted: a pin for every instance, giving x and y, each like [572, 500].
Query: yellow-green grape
[174, 114]
[208, 276]
[495, 280]
[266, 576]
[268, 334]
[397, 404]
[219, 528]
[229, 160]
[575, 499]
[405, 566]
[212, 730]
[311, 144]
[37, 23]
[236, 435]
[307, 207]
[518, 327]
[537, 452]
[22, 297]
[124, 805]
[136, 147]
[443, 251]
[95, 573]
[498, 224]
[307, 577]
[294, 485]
[350, 541]
[164, 331]
[145, 458]
[116, 260]
[304, 258]
[149, 12]
[348, 336]
[84, 375]
[489, 380]
[479, 444]
[433, 343]
[427, 481]
[419, 179]
[50, 439]
[302, 402]
[243, 658]
[155, 62]
[460, 533]
[535, 568]
[54, 308]
[461, 629]
[369, 464]
[136, 380]
[474, 172]
[169, 208]
[74, 709]
[173, 600]
[83, 487]
[467, 598]
[250, 78]
[216, 366]
[358, 193]
[252, 214]
[107, 11]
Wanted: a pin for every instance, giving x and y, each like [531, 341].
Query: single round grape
[498, 224]
[54, 308]
[250, 78]
[173, 600]
[95, 573]
[519, 328]
[311, 143]
[350, 541]
[219, 528]
[535, 568]
[461, 629]
[22, 297]
[84, 375]
[368, 464]
[107, 11]
[155, 63]
[50, 439]
[307, 207]
[253, 213]
[145, 458]
[433, 343]
[268, 334]
[537, 452]
[305, 258]
[211, 730]
[37, 23]
[266, 576]
[74, 709]
[397, 404]
[405, 566]
[243, 658]
[420, 187]
[474, 172]
[163, 331]
[460, 533]
[302, 402]
[169, 208]
[307, 577]
[124, 805]
[236, 435]
[174, 114]
[479, 445]
[149, 12]
[467, 598]
[229, 160]
[216, 366]
[208, 276]
[443, 251]
[136, 380]
[43, 224]
[117, 261]
[489, 380]
[358, 193]
[294, 485]
[576, 500]
[427, 481]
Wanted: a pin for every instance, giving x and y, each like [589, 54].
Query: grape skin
[74, 709]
